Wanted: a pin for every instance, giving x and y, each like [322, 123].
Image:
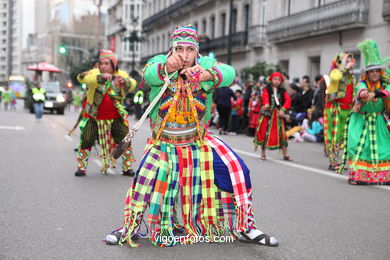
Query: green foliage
[259, 69]
[77, 69]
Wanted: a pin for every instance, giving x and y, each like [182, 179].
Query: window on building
[318, 3]
[314, 66]
[132, 12]
[223, 24]
[285, 65]
[196, 25]
[234, 17]
[204, 26]
[162, 42]
[126, 13]
[246, 17]
[158, 44]
[288, 7]
[357, 68]
[131, 46]
[263, 20]
[212, 27]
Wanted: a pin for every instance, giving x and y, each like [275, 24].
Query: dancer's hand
[371, 96]
[364, 94]
[175, 62]
[265, 107]
[281, 114]
[190, 72]
[121, 81]
[107, 76]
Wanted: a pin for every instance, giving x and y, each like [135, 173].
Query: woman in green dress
[368, 140]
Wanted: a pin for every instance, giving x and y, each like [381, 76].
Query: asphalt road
[48, 213]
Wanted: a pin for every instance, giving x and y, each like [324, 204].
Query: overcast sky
[28, 20]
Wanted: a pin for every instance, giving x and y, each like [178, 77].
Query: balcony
[337, 16]
[147, 58]
[257, 36]
[115, 28]
[239, 39]
[166, 14]
[386, 10]
[174, 10]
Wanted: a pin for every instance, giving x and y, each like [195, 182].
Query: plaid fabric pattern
[368, 127]
[209, 206]
[138, 195]
[332, 145]
[345, 152]
[190, 188]
[236, 176]
[82, 159]
[127, 159]
[104, 136]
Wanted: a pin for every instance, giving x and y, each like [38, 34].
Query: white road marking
[70, 139]
[16, 128]
[307, 168]
[99, 163]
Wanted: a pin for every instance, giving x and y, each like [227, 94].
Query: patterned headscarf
[108, 54]
[184, 35]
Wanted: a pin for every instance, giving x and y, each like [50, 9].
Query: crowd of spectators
[236, 109]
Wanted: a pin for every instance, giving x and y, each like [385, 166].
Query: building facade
[75, 24]
[10, 38]
[123, 32]
[302, 36]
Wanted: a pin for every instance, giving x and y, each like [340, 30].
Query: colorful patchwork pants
[106, 132]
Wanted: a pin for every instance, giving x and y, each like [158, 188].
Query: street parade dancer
[368, 138]
[104, 114]
[338, 105]
[183, 164]
[271, 130]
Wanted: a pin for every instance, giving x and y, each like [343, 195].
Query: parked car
[55, 99]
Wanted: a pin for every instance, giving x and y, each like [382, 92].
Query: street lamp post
[133, 40]
[229, 45]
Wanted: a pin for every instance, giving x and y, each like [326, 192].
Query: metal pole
[229, 46]
[133, 58]
[79, 49]
[9, 49]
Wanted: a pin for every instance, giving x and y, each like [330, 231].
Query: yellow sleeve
[130, 82]
[335, 77]
[91, 80]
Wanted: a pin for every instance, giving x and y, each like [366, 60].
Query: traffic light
[69, 84]
[62, 49]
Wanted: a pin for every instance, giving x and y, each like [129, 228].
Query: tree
[76, 69]
[260, 69]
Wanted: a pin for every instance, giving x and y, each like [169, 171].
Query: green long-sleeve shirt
[223, 75]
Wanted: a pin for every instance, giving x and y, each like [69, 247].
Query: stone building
[302, 36]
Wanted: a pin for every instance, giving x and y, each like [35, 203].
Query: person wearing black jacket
[223, 98]
[307, 95]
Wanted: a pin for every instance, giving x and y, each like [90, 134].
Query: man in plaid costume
[184, 165]
[339, 99]
[104, 114]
